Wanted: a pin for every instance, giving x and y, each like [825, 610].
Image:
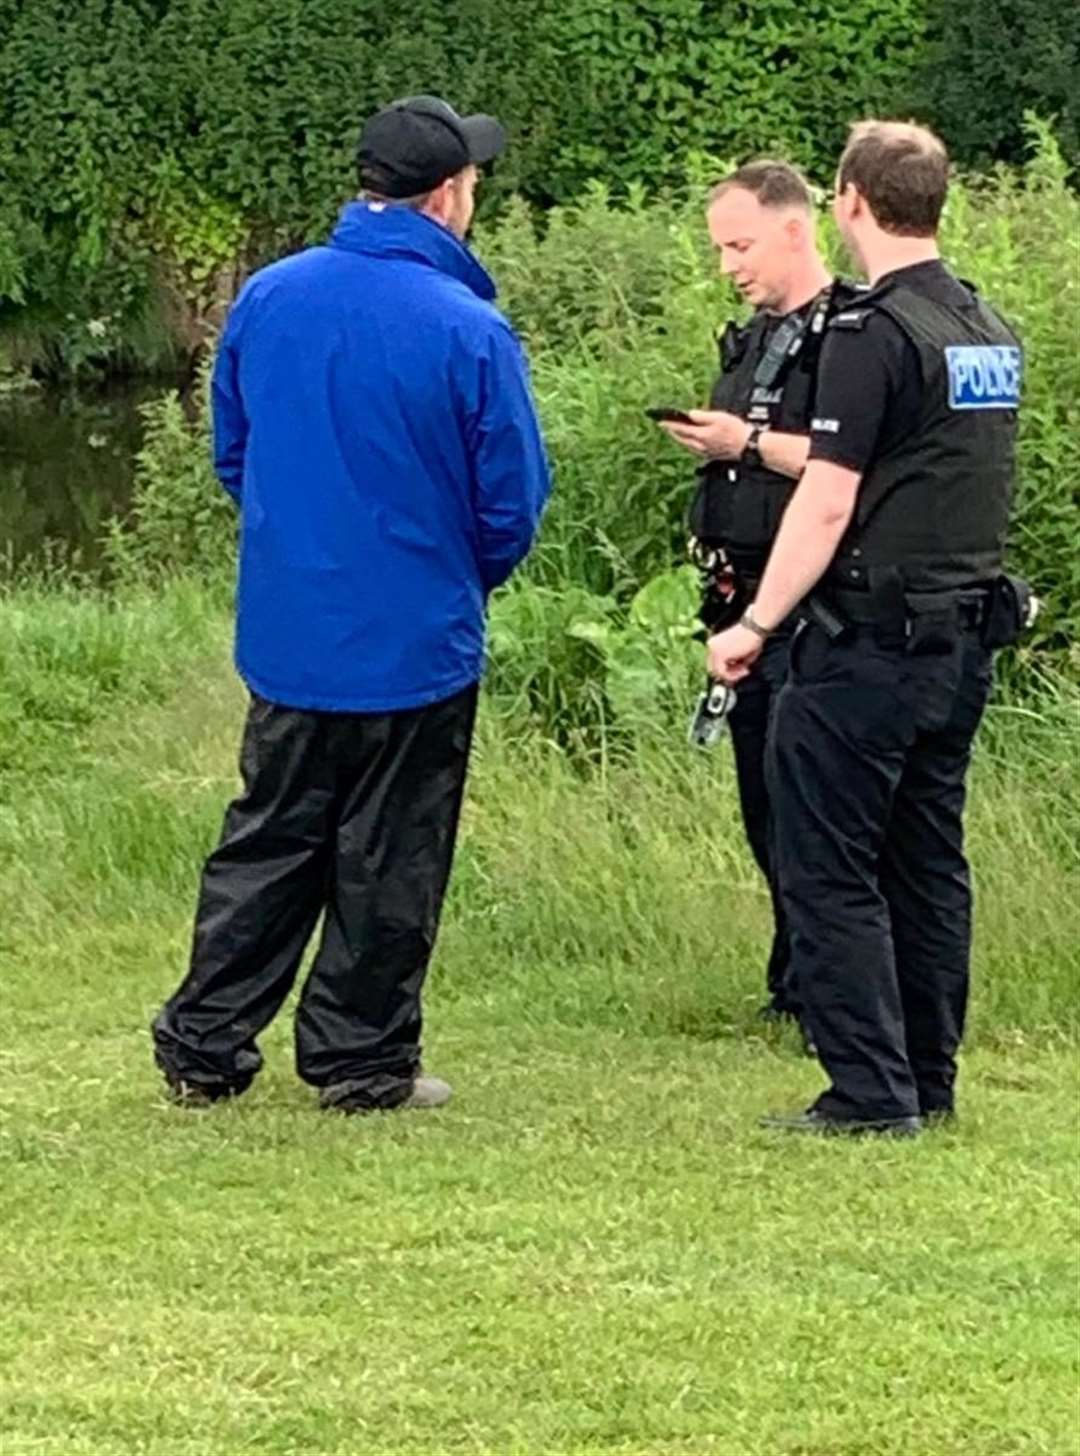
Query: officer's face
[758, 246]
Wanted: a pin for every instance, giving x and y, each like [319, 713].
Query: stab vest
[738, 505]
[935, 504]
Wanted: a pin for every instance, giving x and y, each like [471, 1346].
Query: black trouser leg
[262, 891]
[869, 755]
[925, 879]
[749, 726]
[401, 786]
[837, 754]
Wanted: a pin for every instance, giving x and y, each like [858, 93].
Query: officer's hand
[733, 653]
[715, 434]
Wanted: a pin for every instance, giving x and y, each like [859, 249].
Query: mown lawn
[593, 1249]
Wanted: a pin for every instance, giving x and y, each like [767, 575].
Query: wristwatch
[748, 620]
[751, 455]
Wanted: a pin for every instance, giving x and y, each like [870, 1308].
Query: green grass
[593, 1249]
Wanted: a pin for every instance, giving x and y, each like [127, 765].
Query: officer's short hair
[903, 172]
[774, 184]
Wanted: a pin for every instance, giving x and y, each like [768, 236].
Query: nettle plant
[583, 667]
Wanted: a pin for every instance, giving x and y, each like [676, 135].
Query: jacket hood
[383, 231]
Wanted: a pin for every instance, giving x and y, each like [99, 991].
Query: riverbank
[593, 1248]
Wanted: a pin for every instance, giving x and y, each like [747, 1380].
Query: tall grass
[618, 894]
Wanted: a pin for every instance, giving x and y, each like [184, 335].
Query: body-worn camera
[711, 713]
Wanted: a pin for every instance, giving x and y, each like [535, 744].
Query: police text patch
[984, 376]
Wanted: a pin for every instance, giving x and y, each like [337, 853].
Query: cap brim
[486, 138]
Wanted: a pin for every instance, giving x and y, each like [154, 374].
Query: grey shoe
[429, 1092]
[383, 1094]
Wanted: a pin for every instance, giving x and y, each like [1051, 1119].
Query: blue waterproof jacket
[372, 418]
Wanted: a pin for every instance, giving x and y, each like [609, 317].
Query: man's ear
[440, 202]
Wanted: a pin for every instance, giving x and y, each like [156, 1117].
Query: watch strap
[751, 451]
[749, 621]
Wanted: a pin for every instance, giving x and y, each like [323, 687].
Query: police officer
[755, 438]
[896, 533]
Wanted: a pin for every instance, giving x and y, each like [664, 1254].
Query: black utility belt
[925, 621]
[860, 609]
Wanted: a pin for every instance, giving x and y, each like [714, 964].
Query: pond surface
[67, 464]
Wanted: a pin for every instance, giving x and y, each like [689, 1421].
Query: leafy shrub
[983, 66]
[1017, 237]
[147, 144]
[650, 84]
[181, 522]
[133, 131]
[583, 670]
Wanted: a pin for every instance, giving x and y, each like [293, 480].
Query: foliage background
[152, 149]
[619, 302]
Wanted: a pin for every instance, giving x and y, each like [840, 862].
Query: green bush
[149, 148]
[984, 65]
[79, 128]
[1017, 238]
[135, 133]
[181, 522]
[652, 83]
[589, 672]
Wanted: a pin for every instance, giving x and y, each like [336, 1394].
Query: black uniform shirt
[869, 388]
[770, 323]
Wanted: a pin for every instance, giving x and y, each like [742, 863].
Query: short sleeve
[863, 375]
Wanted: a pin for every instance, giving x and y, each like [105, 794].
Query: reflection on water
[66, 465]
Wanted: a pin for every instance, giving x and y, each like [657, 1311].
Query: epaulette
[850, 318]
[846, 291]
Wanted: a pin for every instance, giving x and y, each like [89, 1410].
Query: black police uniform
[768, 373]
[918, 390]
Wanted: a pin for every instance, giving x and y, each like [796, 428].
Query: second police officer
[754, 439]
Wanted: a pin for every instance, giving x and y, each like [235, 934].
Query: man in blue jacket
[373, 422]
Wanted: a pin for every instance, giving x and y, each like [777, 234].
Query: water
[66, 465]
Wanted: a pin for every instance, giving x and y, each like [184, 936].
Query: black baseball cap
[412, 145]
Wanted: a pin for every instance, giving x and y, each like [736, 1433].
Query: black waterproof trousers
[749, 725]
[867, 760]
[348, 815]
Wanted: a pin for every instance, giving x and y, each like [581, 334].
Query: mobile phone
[666, 412]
